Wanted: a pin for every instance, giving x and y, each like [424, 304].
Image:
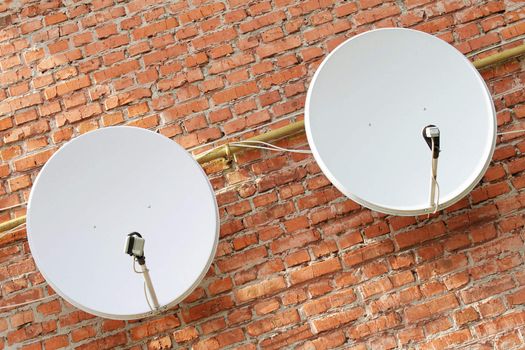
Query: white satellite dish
[366, 111]
[109, 183]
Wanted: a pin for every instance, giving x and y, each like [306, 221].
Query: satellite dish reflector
[378, 103]
[100, 188]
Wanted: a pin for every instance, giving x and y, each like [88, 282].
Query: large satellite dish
[379, 103]
[107, 184]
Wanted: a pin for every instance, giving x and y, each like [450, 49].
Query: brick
[138, 109]
[20, 182]
[325, 30]
[295, 240]
[35, 55]
[517, 297]
[161, 343]
[275, 321]
[309, 6]
[509, 244]
[234, 317]
[262, 21]
[278, 46]
[234, 93]
[56, 342]
[431, 308]
[74, 100]
[438, 325]
[297, 258]
[10, 152]
[25, 333]
[369, 252]
[324, 248]
[449, 340]
[336, 320]
[19, 103]
[201, 12]
[465, 316]
[258, 290]
[30, 26]
[231, 63]
[239, 260]
[106, 30]
[62, 135]
[375, 14]
[315, 270]
[163, 102]
[376, 268]
[67, 87]
[116, 71]
[29, 130]
[409, 238]
[105, 343]
[432, 288]
[207, 309]
[321, 305]
[154, 28]
[78, 114]
[154, 327]
[509, 340]
[287, 338]
[185, 109]
[74, 318]
[215, 38]
[186, 334]
[320, 287]
[377, 325]
[508, 321]
[33, 161]
[345, 9]
[442, 266]
[487, 289]
[82, 39]
[49, 308]
[55, 18]
[221, 340]
[21, 318]
[283, 76]
[272, 213]
[272, 34]
[266, 307]
[457, 280]
[111, 325]
[126, 97]
[380, 286]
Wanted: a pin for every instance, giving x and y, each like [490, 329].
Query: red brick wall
[298, 265]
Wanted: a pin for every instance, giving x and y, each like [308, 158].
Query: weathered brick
[369, 252]
[336, 320]
[258, 290]
[33, 161]
[315, 270]
[275, 321]
[207, 309]
[431, 308]
[153, 327]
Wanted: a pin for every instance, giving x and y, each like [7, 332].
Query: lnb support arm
[431, 134]
[135, 248]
